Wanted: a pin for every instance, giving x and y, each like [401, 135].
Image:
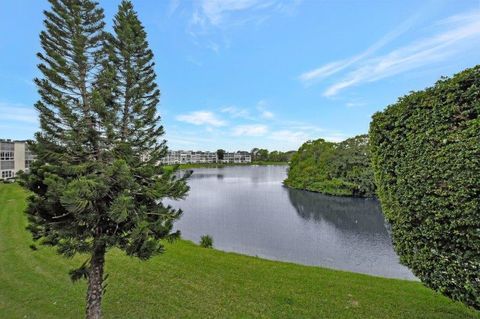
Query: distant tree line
[263, 155]
[341, 169]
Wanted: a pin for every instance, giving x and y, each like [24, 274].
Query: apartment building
[14, 157]
[237, 157]
[194, 157]
[188, 157]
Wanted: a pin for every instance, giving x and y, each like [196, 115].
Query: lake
[246, 209]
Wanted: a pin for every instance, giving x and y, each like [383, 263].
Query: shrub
[206, 241]
[426, 158]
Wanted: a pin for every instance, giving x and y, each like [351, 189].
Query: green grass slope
[193, 282]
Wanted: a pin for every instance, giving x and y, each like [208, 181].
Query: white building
[238, 157]
[188, 157]
[195, 157]
[14, 157]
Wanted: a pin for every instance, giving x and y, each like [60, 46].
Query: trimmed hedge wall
[425, 152]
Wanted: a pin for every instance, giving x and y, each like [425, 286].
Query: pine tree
[137, 95]
[138, 149]
[96, 183]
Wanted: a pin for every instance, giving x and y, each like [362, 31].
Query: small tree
[220, 154]
[96, 183]
[262, 155]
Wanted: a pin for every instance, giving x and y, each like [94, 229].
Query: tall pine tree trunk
[95, 283]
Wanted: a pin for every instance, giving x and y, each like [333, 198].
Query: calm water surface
[247, 210]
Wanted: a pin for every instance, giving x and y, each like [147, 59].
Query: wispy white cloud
[288, 7]
[293, 137]
[276, 134]
[454, 38]
[335, 137]
[172, 7]
[337, 66]
[452, 35]
[354, 104]
[192, 143]
[201, 118]
[326, 70]
[184, 138]
[214, 15]
[260, 113]
[221, 13]
[215, 47]
[236, 112]
[262, 108]
[17, 112]
[250, 127]
[215, 11]
[194, 61]
[266, 114]
[250, 130]
[306, 127]
[299, 133]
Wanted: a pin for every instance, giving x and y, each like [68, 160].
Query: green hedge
[341, 169]
[425, 152]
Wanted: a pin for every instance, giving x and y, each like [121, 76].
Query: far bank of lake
[221, 165]
[247, 210]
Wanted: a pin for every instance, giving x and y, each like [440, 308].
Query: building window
[6, 156]
[8, 146]
[7, 174]
[4, 165]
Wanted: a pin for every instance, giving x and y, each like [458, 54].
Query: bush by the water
[333, 168]
[206, 241]
[426, 157]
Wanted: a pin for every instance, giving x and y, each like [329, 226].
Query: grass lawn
[193, 282]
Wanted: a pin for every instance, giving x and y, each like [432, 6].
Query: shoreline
[221, 165]
[328, 194]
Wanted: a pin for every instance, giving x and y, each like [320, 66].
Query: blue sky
[265, 73]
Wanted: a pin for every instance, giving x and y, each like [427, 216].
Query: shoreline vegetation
[338, 169]
[220, 165]
[198, 283]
